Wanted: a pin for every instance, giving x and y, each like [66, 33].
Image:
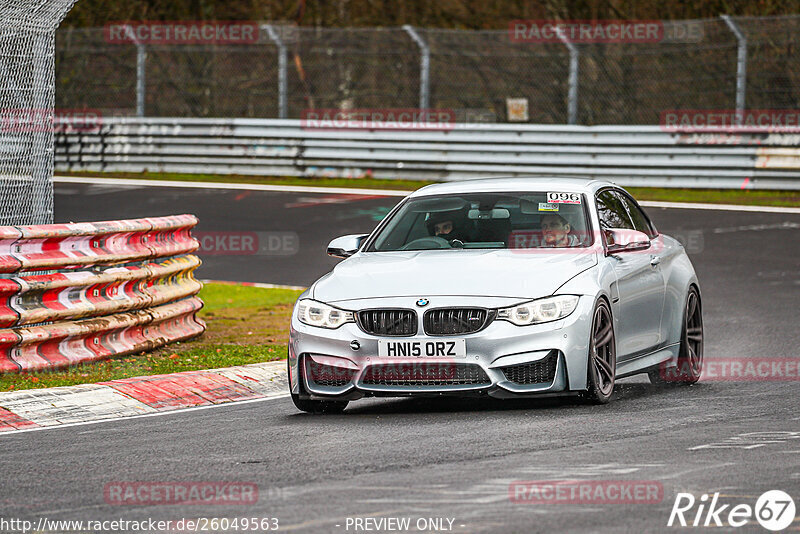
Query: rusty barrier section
[117, 288]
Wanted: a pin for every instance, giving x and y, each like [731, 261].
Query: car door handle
[654, 260]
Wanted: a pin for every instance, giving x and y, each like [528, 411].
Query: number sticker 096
[563, 198]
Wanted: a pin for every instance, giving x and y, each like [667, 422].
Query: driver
[448, 225]
[556, 232]
[443, 228]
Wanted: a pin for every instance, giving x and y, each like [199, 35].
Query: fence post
[283, 105]
[741, 63]
[424, 68]
[141, 81]
[574, 65]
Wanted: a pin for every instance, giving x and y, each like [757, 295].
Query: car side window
[612, 211]
[640, 221]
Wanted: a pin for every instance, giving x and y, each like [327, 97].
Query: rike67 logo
[774, 510]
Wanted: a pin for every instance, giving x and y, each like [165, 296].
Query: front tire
[690, 355]
[313, 406]
[317, 406]
[602, 356]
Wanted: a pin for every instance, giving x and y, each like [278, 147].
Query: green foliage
[223, 296]
[163, 362]
[464, 14]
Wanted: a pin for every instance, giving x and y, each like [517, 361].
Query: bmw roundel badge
[422, 302]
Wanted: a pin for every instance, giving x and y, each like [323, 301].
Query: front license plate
[441, 348]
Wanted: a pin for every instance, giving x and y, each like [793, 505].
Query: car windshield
[551, 219]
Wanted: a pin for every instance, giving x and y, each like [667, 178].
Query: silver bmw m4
[501, 287]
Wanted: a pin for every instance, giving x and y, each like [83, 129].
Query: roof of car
[533, 183]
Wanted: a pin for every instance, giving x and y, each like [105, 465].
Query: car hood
[501, 273]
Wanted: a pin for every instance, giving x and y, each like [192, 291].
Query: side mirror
[622, 240]
[345, 246]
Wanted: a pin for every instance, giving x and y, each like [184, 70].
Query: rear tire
[690, 355]
[602, 356]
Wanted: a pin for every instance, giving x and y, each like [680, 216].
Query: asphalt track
[445, 458]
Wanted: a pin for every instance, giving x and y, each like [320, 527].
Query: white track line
[376, 192]
[254, 284]
[717, 207]
[221, 185]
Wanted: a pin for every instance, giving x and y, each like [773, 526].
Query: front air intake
[540, 372]
[425, 374]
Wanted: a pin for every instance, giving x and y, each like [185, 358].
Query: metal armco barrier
[629, 155]
[76, 245]
[122, 287]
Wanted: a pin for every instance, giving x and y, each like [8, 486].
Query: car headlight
[315, 313]
[540, 311]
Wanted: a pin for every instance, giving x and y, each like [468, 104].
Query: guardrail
[122, 287]
[629, 155]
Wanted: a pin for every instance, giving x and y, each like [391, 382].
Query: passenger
[556, 232]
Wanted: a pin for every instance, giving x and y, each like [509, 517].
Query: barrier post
[741, 63]
[141, 81]
[283, 105]
[424, 66]
[574, 65]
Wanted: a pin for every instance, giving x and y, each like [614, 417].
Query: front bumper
[503, 360]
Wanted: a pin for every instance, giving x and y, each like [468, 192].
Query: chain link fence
[697, 65]
[27, 49]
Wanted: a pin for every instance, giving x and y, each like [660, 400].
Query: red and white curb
[33, 409]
